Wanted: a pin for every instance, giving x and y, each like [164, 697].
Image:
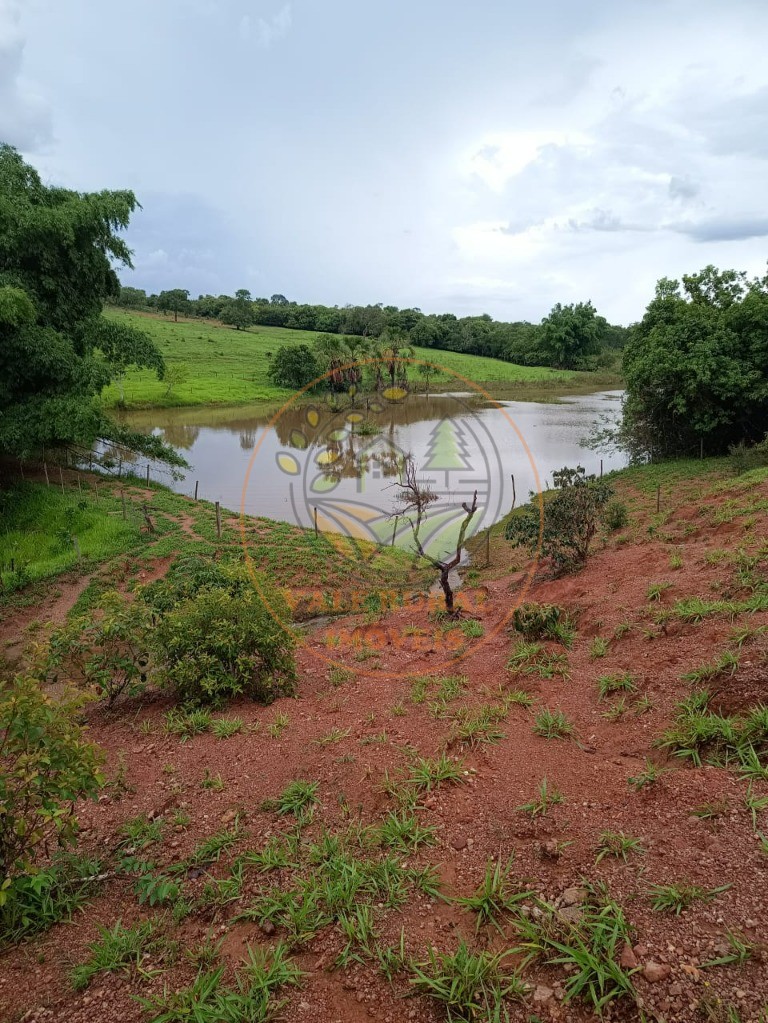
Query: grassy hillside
[229, 367]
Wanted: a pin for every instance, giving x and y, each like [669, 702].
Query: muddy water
[343, 465]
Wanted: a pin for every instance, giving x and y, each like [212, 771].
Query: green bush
[543, 621]
[217, 645]
[616, 515]
[744, 457]
[35, 902]
[571, 518]
[46, 764]
[108, 652]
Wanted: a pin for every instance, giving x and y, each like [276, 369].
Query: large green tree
[571, 334]
[238, 311]
[696, 365]
[58, 249]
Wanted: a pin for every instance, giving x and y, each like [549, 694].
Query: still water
[343, 465]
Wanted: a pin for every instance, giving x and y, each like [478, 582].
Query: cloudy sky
[493, 157]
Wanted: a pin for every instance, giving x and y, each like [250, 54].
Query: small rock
[459, 842]
[267, 927]
[656, 972]
[551, 849]
[542, 994]
[675, 989]
[571, 914]
[628, 959]
[573, 896]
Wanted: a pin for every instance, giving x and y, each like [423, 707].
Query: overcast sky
[494, 156]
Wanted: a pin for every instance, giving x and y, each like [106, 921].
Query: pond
[341, 466]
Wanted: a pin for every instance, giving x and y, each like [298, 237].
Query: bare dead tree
[413, 502]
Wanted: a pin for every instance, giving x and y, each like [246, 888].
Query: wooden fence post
[61, 479]
[394, 532]
[45, 470]
[147, 473]
[658, 499]
[315, 509]
[218, 520]
[197, 483]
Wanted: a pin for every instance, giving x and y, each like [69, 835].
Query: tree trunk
[446, 588]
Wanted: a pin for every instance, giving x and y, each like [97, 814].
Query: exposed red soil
[476, 820]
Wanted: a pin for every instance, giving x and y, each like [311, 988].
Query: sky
[496, 157]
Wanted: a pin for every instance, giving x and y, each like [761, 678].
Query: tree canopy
[57, 254]
[571, 334]
[696, 365]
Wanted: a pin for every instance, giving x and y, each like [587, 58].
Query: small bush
[543, 621]
[616, 515]
[108, 652]
[46, 764]
[744, 457]
[571, 517]
[216, 645]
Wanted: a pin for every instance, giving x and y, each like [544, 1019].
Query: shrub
[217, 645]
[616, 515]
[543, 621]
[744, 457]
[108, 652]
[46, 764]
[571, 518]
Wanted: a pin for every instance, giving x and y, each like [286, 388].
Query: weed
[674, 898]
[115, 950]
[330, 738]
[755, 804]
[212, 782]
[393, 959]
[657, 590]
[648, 776]
[276, 728]
[398, 710]
[552, 724]
[187, 723]
[534, 659]
[742, 950]
[726, 664]
[616, 843]
[472, 629]
[469, 985]
[519, 697]
[478, 727]
[588, 950]
[544, 621]
[548, 796]
[404, 831]
[225, 728]
[279, 852]
[617, 711]
[298, 798]
[338, 676]
[141, 832]
[598, 647]
[608, 684]
[711, 811]
[495, 896]
[750, 765]
[675, 561]
[210, 849]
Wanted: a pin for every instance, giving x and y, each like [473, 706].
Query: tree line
[571, 337]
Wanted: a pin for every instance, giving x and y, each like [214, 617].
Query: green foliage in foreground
[46, 764]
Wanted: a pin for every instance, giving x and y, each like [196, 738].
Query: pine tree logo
[447, 449]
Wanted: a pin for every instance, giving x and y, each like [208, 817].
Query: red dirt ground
[477, 820]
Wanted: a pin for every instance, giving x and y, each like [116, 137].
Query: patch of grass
[552, 724]
[468, 985]
[711, 811]
[338, 676]
[617, 683]
[331, 738]
[276, 728]
[187, 723]
[726, 664]
[598, 647]
[212, 782]
[140, 831]
[518, 696]
[479, 726]
[534, 659]
[35, 902]
[278, 853]
[497, 895]
[742, 950]
[118, 949]
[211, 849]
[548, 795]
[298, 798]
[225, 728]
[618, 844]
[588, 950]
[674, 898]
[648, 776]
[656, 591]
[471, 628]
[402, 830]
[617, 710]
[544, 621]
[755, 804]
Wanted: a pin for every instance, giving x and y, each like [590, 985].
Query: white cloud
[266, 31]
[25, 120]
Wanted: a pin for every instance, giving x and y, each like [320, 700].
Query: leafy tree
[174, 301]
[696, 366]
[571, 518]
[175, 375]
[336, 359]
[238, 312]
[46, 764]
[293, 366]
[278, 300]
[131, 298]
[57, 250]
[571, 334]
